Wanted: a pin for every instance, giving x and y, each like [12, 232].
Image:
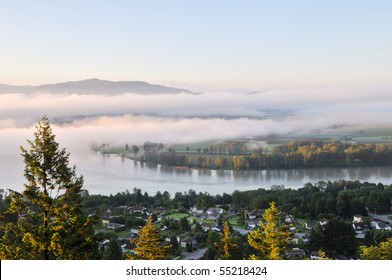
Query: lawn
[177, 216]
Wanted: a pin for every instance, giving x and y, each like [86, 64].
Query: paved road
[241, 230]
[195, 255]
[383, 218]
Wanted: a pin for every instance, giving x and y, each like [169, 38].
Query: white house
[196, 210]
[218, 210]
[383, 226]
[357, 219]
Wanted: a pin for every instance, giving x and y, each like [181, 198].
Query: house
[217, 228]
[128, 248]
[252, 223]
[134, 231]
[206, 226]
[383, 226]
[157, 211]
[189, 242]
[217, 210]
[253, 214]
[357, 219]
[323, 222]
[203, 216]
[103, 243]
[310, 225]
[358, 228]
[213, 215]
[301, 237]
[196, 210]
[289, 219]
[296, 253]
[106, 217]
[235, 211]
[136, 210]
[114, 226]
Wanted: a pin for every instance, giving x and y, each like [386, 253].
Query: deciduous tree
[227, 249]
[272, 238]
[150, 245]
[381, 252]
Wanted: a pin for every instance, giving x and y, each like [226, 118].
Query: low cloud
[80, 120]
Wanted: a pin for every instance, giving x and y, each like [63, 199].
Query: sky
[260, 68]
[209, 45]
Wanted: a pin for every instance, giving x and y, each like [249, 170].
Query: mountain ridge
[94, 86]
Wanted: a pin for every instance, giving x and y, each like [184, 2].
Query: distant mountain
[93, 86]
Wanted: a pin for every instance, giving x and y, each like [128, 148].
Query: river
[111, 174]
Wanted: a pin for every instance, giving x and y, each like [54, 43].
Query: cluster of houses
[208, 220]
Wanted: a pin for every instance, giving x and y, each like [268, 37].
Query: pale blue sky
[215, 44]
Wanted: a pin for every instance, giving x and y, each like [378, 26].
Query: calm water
[111, 174]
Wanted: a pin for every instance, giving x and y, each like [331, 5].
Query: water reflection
[111, 174]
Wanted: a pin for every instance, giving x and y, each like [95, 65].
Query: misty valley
[194, 175]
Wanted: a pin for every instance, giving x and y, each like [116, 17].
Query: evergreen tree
[46, 221]
[174, 245]
[272, 239]
[113, 251]
[150, 244]
[337, 237]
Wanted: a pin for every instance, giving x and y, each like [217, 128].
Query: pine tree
[46, 221]
[272, 239]
[150, 245]
[113, 251]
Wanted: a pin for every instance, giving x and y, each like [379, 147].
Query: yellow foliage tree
[150, 245]
[227, 249]
[380, 252]
[272, 238]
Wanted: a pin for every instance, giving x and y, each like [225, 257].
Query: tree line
[343, 198]
[292, 155]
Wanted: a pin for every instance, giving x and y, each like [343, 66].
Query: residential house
[235, 211]
[136, 210]
[206, 226]
[108, 215]
[128, 248]
[252, 223]
[323, 222]
[289, 219]
[114, 226]
[217, 228]
[189, 242]
[253, 214]
[357, 219]
[203, 216]
[310, 225]
[196, 210]
[296, 253]
[383, 226]
[217, 210]
[212, 215]
[301, 237]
